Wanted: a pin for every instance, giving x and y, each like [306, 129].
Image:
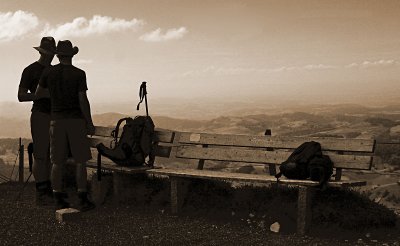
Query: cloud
[248, 70]
[308, 67]
[82, 27]
[368, 64]
[15, 25]
[170, 34]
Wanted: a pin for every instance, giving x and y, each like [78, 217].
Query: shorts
[69, 134]
[40, 124]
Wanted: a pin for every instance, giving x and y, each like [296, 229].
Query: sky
[322, 50]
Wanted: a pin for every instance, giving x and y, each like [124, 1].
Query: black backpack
[296, 166]
[307, 161]
[320, 169]
[134, 145]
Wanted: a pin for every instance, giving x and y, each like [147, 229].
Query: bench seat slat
[337, 144]
[266, 157]
[242, 177]
[161, 136]
[113, 167]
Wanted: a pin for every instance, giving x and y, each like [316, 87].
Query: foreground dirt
[22, 223]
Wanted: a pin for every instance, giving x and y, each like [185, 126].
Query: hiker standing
[40, 119]
[70, 124]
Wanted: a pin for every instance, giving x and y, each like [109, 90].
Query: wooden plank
[285, 142]
[113, 167]
[103, 131]
[161, 151]
[266, 157]
[242, 177]
[161, 136]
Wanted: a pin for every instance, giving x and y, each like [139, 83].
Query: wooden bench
[269, 151]
[103, 135]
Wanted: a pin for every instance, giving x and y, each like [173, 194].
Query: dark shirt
[64, 83]
[29, 80]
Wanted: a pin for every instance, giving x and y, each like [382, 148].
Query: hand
[90, 129]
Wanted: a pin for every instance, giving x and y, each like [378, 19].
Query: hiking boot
[44, 194]
[84, 203]
[59, 198]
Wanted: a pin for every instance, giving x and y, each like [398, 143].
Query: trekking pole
[23, 188]
[143, 95]
[30, 153]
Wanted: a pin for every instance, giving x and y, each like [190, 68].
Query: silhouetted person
[71, 122]
[40, 119]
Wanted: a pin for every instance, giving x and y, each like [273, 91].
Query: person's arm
[25, 96]
[42, 92]
[85, 108]
[23, 90]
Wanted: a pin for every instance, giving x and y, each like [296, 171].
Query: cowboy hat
[47, 46]
[64, 48]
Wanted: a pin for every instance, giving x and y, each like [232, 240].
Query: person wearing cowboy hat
[40, 119]
[70, 124]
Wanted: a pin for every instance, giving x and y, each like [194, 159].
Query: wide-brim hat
[64, 48]
[47, 46]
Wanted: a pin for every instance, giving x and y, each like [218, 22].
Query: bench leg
[118, 186]
[125, 186]
[178, 191]
[304, 209]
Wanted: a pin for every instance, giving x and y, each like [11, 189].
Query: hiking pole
[143, 95]
[23, 188]
[30, 153]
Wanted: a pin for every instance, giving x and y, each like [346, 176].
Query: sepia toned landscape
[334, 121]
[232, 70]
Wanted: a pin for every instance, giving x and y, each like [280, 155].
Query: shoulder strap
[114, 133]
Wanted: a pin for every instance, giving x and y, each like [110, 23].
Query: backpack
[320, 169]
[134, 145]
[296, 166]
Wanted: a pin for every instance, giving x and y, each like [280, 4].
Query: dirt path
[22, 223]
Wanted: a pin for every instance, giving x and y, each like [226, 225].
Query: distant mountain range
[343, 120]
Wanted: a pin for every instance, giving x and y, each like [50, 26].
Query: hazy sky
[233, 49]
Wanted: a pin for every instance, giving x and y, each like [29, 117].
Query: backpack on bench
[307, 161]
[134, 145]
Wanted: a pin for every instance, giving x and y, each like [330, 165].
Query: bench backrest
[268, 150]
[345, 153]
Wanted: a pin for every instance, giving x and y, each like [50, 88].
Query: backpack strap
[115, 132]
[142, 93]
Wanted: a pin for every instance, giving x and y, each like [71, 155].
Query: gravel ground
[22, 223]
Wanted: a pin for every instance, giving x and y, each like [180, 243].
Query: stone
[67, 214]
[275, 227]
